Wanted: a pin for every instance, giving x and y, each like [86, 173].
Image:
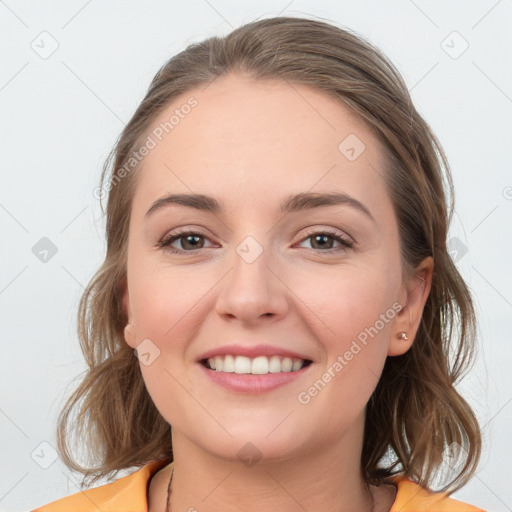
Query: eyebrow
[294, 203]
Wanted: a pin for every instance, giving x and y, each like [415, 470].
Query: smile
[260, 365]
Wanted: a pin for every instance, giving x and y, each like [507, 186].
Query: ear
[129, 329]
[413, 295]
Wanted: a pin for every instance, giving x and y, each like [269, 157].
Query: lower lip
[249, 383]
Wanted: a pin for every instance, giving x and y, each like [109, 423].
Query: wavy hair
[415, 413]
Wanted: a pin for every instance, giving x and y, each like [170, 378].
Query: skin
[250, 144]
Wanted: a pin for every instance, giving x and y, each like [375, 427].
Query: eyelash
[166, 241]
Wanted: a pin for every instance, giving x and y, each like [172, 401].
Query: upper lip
[252, 351]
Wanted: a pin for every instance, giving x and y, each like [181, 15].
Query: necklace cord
[167, 505]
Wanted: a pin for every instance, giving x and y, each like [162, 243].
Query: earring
[402, 336]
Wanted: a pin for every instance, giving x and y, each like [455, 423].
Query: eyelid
[335, 232]
[346, 241]
[176, 234]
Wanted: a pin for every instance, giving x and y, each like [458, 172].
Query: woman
[277, 289]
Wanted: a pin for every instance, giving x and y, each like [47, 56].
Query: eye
[192, 241]
[320, 240]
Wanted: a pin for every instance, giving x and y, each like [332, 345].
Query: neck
[328, 477]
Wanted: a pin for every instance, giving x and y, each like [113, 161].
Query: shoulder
[411, 497]
[128, 493]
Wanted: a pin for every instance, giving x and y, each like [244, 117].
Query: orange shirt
[129, 494]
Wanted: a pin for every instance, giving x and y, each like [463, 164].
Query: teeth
[242, 364]
[228, 365]
[260, 365]
[286, 365]
[274, 365]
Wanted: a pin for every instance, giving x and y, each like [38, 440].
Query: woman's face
[267, 281]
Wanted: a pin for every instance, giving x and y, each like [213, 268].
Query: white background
[62, 114]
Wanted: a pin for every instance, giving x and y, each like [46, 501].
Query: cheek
[168, 309]
[357, 316]
[164, 299]
[354, 361]
[354, 301]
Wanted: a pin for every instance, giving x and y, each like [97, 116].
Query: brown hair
[415, 412]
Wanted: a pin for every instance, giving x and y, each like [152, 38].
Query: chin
[254, 442]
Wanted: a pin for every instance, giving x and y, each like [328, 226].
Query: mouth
[260, 365]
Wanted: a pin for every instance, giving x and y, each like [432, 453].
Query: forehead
[252, 141]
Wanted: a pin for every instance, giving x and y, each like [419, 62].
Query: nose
[253, 289]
